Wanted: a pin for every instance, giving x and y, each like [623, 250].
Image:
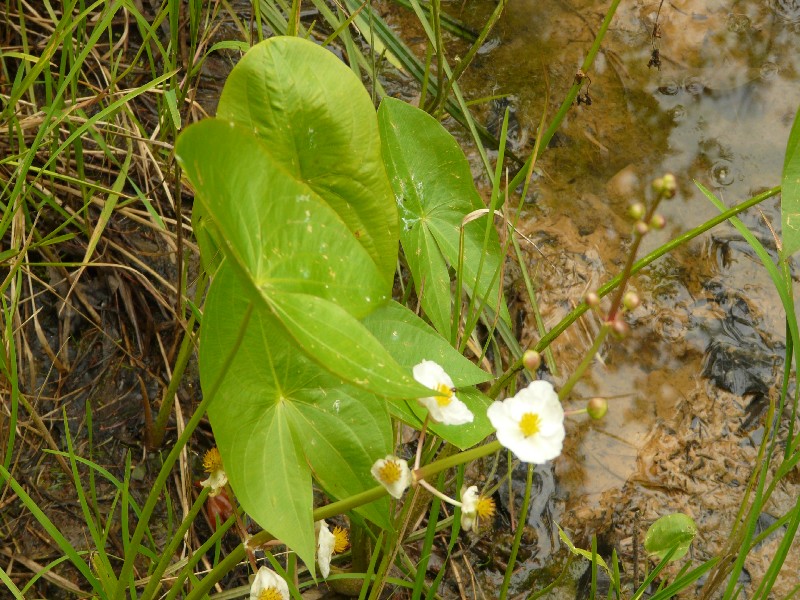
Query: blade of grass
[522, 519]
[54, 533]
[99, 558]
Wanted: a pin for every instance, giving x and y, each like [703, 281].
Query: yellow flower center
[341, 540]
[390, 472]
[270, 593]
[530, 423]
[485, 508]
[445, 394]
[212, 461]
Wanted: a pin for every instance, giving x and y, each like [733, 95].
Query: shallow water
[688, 389]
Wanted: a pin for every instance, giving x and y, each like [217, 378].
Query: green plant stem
[616, 302]
[523, 517]
[587, 360]
[556, 331]
[166, 556]
[336, 508]
[156, 436]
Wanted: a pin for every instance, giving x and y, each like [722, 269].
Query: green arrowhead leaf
[433, 187]
[293, 253]
[278, 418]
[670, 531]
[318, 122]
[790, 193]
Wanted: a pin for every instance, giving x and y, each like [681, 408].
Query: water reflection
[709, 333]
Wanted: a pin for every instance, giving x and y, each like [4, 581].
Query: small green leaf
[580, 551]
[670, 531]
[790, 193]
[461, 436]
[410, 340]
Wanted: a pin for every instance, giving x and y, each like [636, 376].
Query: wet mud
[690, 389]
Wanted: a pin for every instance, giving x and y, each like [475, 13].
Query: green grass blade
[54, 532]
[790, 194]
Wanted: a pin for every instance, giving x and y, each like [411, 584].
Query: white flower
[268, 585]
[326, 542]
[393, 474]
[469, 507]
[444, 407]
[531, 424]
[474, 507]
[217, 479]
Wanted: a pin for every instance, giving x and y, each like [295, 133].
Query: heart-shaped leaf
[278, 418]
[292, 253]
[318, 122]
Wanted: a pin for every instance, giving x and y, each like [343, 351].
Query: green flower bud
[670, 185]
[532, 360]
[631, 300]
[597, 408]
[636, 210]
[658, 222]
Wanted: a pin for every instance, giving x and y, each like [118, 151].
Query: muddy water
[689, 388]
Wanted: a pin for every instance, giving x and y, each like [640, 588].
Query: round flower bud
[592, 300]
[631, 300]
[658, 222]
[619, 328]
[670, 186]
[641, 227]
[597, 408]
[658, 185]
[531, 359]
[636, 210]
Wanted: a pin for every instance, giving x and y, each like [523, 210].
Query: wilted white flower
[325, 544]
[530, 424]
[217, 479]
[444, 407]
[474, 507]
[393, 474]
[328, 544]
[469, 507]
[268, 585]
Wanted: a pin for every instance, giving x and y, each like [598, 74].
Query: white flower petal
[216, 481]
[539, 399]
[265, 579]
[469, 507]
[433, 376]
[326, 541]
[396, 487]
